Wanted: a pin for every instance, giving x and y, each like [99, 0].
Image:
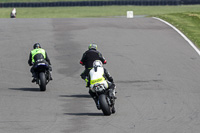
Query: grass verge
[188, 23]
[96, 11]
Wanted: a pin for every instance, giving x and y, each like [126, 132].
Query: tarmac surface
[156, 72]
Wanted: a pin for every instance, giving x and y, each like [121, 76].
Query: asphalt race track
[156, 72]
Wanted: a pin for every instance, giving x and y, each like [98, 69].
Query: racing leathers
[36, 56]
[87, 60]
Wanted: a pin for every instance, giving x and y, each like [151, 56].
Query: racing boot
[34, 77]
[113, 109]
[111, 94]
[50, 71]
[50, 77]
[33, 80]
[87, 82]
[112, 98]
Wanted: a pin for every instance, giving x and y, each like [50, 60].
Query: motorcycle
[105, 101]
[42, 75]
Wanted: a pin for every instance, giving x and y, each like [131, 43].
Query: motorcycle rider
[38, 55]
[13, 13]
[99, 74]
[88, 58]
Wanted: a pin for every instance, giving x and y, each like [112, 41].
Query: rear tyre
[42, 82]
[104, 105]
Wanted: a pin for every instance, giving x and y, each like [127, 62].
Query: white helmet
[97, 63]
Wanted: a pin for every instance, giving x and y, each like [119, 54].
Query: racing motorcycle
[42, 75]
[105, 100]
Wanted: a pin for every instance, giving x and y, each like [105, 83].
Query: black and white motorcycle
[105, 100]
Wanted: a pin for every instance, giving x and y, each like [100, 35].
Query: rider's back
[96, 73]
[89, 57]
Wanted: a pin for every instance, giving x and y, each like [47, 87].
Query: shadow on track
[26, 89]
[85, 114]
[77, 96]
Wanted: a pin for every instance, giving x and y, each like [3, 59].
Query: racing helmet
[92, 46]
[36, 45]
[97, 63]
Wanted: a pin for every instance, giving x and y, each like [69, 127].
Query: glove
[81, 63]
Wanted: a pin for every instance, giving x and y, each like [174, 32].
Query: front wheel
[104, 105]
[42, 82]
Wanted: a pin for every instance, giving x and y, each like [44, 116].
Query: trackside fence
[100, 3]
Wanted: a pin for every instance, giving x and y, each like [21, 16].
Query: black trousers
[85, 73]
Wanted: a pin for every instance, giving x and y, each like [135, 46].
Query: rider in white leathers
[98, 74]
[13, 13]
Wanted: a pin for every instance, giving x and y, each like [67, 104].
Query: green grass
[188, 23]
[185, 18]
[99, 11]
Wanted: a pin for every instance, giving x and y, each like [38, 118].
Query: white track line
[191, 44]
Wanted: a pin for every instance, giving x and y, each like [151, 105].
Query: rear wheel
[104, 105]
[42, 82]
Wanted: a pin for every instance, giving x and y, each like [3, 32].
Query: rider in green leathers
[38, 55]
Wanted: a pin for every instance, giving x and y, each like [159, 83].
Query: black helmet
[36, 45]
